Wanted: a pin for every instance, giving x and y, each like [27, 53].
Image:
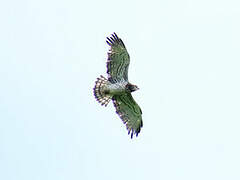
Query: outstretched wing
[118, 60]
[129, 111]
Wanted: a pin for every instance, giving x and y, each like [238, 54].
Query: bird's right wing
[118, 60]
[129, 111]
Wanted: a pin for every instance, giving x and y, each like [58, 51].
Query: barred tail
[99, 91]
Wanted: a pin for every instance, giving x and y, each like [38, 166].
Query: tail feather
[99, 91]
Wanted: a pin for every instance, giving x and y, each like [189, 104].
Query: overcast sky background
[185, 59]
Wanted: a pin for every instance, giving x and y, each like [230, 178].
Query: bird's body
[117, 87]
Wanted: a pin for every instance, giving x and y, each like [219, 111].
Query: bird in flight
[117, 88]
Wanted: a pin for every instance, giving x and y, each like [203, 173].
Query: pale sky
[185, 59]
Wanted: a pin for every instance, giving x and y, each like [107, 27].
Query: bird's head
[131, 87]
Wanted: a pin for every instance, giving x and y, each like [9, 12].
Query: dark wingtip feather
[109, 41]
[114, 40]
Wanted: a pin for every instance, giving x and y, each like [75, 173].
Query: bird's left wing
[129, 111]
[118, 60]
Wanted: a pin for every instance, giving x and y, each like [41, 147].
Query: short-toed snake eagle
[117, 88]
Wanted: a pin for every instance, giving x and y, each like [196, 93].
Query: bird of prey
[117, 87]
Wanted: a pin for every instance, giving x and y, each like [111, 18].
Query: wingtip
[114, 40]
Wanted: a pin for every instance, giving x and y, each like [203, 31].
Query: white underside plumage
[104, 90]
[117, 88]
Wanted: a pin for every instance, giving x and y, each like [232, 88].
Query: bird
[117, 88]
